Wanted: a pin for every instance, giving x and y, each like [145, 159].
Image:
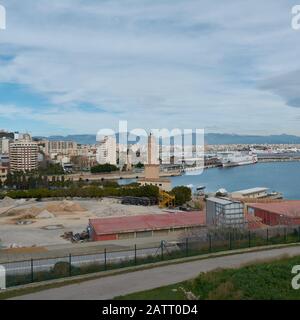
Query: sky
[77, 66]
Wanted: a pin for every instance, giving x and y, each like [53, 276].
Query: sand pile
[20, 202]
[72, 206]
[45, 214]
[33, 210]
[65, 206]
[7, 202]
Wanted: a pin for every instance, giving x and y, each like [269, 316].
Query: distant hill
[79, 138]
[219, 138]
[210, 138]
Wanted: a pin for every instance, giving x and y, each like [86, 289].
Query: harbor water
[282, 177]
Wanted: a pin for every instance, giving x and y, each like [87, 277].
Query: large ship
[239, 159]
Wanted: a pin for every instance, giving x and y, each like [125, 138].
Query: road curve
[112, 286]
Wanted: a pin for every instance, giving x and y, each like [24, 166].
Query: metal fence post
[70, 264]
[299, 234]
[31, 268]
[249, 239]
[105, 266]
[267, 236]
[135, 261]
[230, 244]
[210, 244]
[187, 247]
[285, 235]
[162, 250]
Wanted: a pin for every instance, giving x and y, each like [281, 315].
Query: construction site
[40, 223]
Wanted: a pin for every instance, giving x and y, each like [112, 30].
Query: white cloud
[155, 63]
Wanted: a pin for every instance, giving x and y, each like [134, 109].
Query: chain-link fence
[202, 242]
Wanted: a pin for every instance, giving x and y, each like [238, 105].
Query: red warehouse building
[140, 226]
[276, 213]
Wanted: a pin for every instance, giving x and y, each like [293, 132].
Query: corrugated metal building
[141, 226]
[224, 212]
[277, 213]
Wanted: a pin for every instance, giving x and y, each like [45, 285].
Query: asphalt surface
[112, 286]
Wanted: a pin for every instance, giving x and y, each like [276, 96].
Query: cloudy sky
[76, 66]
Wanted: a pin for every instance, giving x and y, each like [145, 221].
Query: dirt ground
[31, 223]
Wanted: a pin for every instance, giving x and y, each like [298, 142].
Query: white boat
[193, 171]
[239, 159]
[200, 190]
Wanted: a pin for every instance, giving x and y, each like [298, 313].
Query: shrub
[102, 168]
[182, 195]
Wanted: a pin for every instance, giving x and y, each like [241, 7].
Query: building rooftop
[154, 180]
[290, 208]
[223, 201]
[251, 190]
[147, 222]
[254, 222]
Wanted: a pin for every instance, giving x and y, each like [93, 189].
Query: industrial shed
[277, 213]
[141, 226]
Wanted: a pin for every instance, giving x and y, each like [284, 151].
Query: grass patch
[269, 280]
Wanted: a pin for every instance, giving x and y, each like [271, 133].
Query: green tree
[182, 195]
[104, 168]
[139, 165]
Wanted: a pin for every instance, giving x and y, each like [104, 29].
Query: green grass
[261, 281]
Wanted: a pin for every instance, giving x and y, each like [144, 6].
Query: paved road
[110, 287]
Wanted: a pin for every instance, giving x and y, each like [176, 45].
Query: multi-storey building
[23, 155]
[68, 148]
[4, 145]
[8, 135]
[107, 150]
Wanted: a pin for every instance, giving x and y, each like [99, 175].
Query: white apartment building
[107, 150]
[4, 145]
[23, 155]
[68, 148]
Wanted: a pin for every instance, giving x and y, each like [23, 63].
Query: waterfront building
[250, 193]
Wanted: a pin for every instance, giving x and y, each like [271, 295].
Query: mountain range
[210, 138]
